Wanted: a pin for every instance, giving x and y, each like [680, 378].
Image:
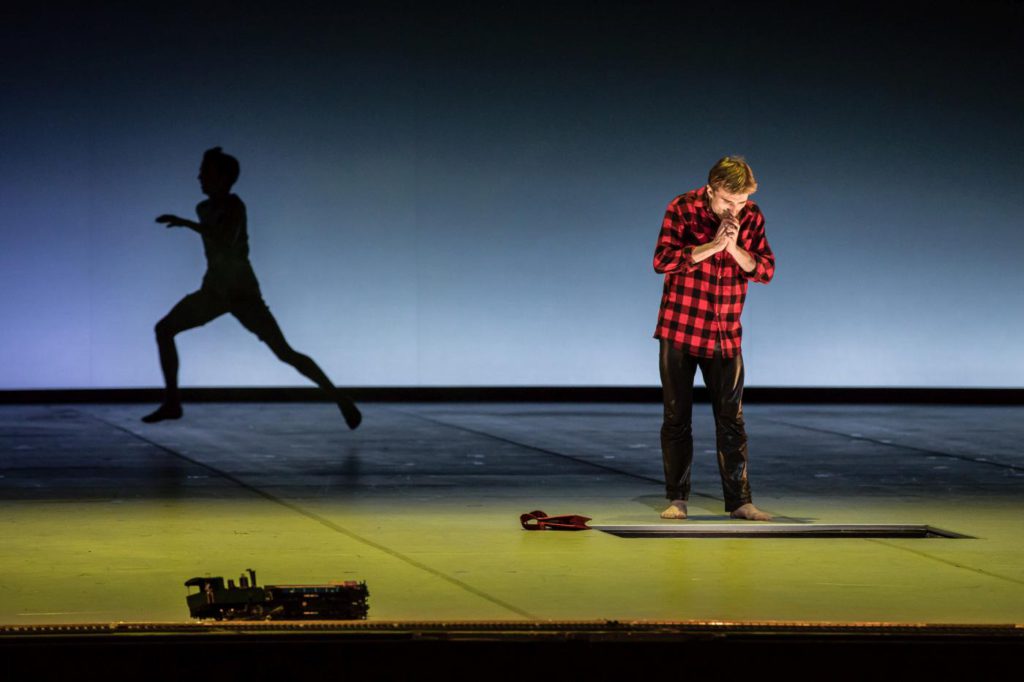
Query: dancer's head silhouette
[218, 172]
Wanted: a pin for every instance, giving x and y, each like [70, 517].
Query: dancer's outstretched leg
[308, 368]
[194, 310]
[258, 319]
[171, 406]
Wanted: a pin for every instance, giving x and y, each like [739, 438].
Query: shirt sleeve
[764, 259]
[671, 253]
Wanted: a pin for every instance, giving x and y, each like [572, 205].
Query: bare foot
[353, 417]
[751, 513]
[165, 411]
[676, 510]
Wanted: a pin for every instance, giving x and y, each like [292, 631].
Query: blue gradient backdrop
[471, 196]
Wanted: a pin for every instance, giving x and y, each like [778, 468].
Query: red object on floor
[538, 520]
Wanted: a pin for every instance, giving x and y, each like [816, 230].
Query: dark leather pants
[724, 380]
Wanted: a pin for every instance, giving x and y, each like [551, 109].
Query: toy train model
[248, 601]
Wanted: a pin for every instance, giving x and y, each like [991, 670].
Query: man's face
[724, 203]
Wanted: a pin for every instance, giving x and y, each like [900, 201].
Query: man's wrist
[743, 257]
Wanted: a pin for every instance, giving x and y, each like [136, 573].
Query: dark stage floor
[105, 517]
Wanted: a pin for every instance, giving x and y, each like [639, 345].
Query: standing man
[229, 286]
[712, 241]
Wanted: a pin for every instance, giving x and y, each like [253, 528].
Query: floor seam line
[535, 448]
[327, 523]
[553, 453]
[947, 562]
[939, 453]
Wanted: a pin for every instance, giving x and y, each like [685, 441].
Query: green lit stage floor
[103, 518]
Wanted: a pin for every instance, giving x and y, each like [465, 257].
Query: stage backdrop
[471, 196]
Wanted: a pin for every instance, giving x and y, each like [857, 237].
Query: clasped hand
[728, 231]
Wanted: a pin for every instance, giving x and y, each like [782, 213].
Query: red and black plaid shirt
[702, 302]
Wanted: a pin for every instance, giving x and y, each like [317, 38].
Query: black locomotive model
[247, 601]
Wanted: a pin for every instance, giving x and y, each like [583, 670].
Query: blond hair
[732, 174]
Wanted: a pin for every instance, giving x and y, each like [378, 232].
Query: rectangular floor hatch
[779, 530]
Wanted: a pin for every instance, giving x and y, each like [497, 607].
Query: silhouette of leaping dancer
[229, 286]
